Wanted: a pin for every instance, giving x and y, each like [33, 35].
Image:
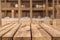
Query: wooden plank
[39, 9]
[19, 8]
[53, 32]
[45, 35]
[24, 28]
[0, 14]
[35, 26]
[53, 8]
[40, 34]
[31, 10]
[22, 34]
[46, 8]
[23, 23]
[10, 34]
[6, 30]
[6, 26]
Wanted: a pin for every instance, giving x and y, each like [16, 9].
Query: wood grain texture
[53, 32]
[11, 33]
[35, 26]
[6, 26]
[40, 34]
[6, 30]
[23, 34]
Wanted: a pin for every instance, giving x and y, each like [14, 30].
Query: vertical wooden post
[12, 13]
[57, 2]
[31, 10]
[19, 10]
[46, 8]
[57, 15]
[53, 9]
[0, 14]
[0, 10]
[5, 9]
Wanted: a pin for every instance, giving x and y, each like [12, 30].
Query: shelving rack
[29, 8]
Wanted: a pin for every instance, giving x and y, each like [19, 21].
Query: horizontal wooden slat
[6, 26]
[10, 34]
[24, 28]
[53, 32]
[6, 30]
[35, 26]
[40, 34]
[23, 34]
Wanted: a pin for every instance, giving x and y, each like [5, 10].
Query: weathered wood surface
[6, 30]
[11, 33]
[53, 32]
[6, 26]
[23, 33]
[35, 26]
[15, 31]
[39, 34]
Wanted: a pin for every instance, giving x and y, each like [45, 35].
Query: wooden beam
[5, 7]
[6, 26]
[23, 33]
[6, 30]
[12, 13]
[57, 2]
[11, 33]
[52, 31]
[19, 8]
[46, 8]
[0, 13]
[57, 15]
[39, 34]
[0, 10]
[53, 9]
[31, 10]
